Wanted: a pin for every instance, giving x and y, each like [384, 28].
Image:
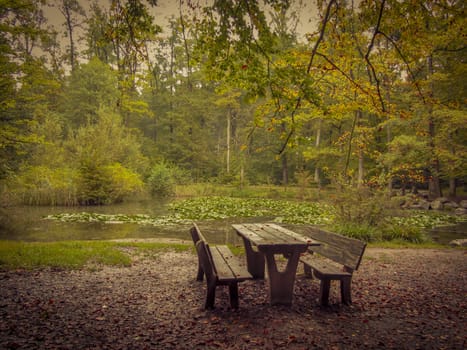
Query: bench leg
[281, 283]
[345, 291]
[255, 260]
[210, 296]
[325, 285]
[308, 271]
[233, 294]
[200, 274]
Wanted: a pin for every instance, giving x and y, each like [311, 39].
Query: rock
[437, 204]
[419, 205]
[450, 205]
[462, 242]
[463, 203]
[442, 199]
[461, 211]
[425, 204]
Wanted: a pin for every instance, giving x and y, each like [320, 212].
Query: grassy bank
[92, 254]
[77, 254]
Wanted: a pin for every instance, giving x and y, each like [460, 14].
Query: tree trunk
[187, 51]
[69, 27]
[434, 187]
[452, 187]
[349, 148]
[317, 143]
[388, 139]
[285, 170]
[360, 169]
[228, 141]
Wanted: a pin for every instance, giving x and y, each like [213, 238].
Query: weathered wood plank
[344, 250]
[323, 269]
[292, 235]
[238, 268]
[223, 271]
[253, 234]
[271, 234]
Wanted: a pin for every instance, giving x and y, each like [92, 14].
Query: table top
[267, 235]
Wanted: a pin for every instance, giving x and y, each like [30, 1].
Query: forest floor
[402, 299]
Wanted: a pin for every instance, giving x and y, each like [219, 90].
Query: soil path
[403, 299]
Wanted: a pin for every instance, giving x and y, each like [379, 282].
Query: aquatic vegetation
[410, 227]
[215, 208]
[426, 220]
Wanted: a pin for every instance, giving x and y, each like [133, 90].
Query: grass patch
[400, 243]
[237, 249]
[247, 191]
[75, 254]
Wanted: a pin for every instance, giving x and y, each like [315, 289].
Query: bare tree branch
[367, 55]
[412, 75]
[308, 69]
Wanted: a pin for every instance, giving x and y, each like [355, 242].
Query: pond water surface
[27, 223]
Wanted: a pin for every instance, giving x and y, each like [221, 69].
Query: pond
[27, 223]
[445, 234]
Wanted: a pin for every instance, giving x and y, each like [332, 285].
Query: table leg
[281, 283]
[255, 260]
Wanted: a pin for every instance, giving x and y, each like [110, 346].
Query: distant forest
[110, 103]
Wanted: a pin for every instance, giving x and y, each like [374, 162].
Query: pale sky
[166, 8]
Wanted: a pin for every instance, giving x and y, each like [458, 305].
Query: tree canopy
[231, 92]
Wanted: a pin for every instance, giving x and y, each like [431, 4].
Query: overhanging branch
[308, 69]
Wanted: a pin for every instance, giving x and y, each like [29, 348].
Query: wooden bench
[195, 236]
[220, 267]
[346, 252]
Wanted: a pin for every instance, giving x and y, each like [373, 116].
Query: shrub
[362, 206]
[359, 231]
[122, 182]
[161, 181]
[106, 184]
[41, 185]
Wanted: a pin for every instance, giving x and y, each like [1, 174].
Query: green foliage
[93, 185]
[211, 208]
[406, 158]
[140, 219]
[420, 219]
[362, 206]
[387, 231]
[123, 182]
[373, 217]
[217, 208]
[71, 255]
[364, 214]
[359, 231]
[232, 95]
[161, 180]
[106, 184]
[91, 88]
[78, 254]
[41, 185]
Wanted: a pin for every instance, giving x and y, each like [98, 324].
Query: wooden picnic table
[263, 242]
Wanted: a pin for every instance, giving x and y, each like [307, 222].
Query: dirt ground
[402, 299]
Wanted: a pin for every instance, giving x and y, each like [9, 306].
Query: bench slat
[323, 268]
[224, 273]
[344, 250]
[252, 233]
[239, 270]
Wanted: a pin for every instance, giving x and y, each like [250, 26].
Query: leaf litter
[402, 299]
